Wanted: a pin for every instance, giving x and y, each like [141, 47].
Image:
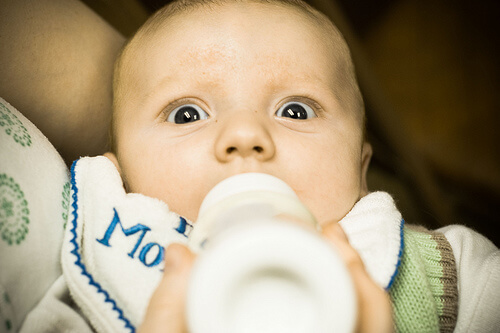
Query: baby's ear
[366, 156]
[112, 157]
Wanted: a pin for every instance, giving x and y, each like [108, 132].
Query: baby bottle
[262, 265]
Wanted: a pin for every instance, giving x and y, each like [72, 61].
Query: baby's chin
[189, 213]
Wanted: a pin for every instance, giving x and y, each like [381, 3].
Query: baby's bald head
[346, 87]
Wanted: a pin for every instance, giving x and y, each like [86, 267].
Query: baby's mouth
[248, 167]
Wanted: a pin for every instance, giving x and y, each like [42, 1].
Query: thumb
[374, 307]
[165, 312]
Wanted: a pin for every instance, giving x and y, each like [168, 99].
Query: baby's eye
[187, 113]
[296, 110]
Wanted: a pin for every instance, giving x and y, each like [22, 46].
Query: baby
[209, 89]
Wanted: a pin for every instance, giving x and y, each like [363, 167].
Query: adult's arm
[56, 64]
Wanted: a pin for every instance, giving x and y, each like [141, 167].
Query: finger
[165, 312]
[337, 237]
[375, 313]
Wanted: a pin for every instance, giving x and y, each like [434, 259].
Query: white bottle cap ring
[244, 196]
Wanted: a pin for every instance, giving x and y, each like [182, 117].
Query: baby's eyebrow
[158, 86]
[173, 83]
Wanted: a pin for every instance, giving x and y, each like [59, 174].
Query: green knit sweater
[424, 293]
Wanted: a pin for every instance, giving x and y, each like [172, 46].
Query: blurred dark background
[430, 74]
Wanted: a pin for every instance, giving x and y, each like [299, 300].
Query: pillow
[34, 197]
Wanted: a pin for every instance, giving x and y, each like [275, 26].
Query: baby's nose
[244, 136]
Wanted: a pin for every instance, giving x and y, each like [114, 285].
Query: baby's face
[240, 88]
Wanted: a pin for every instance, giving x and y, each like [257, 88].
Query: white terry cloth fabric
[114, 244]
[34, 189]
[374, 227]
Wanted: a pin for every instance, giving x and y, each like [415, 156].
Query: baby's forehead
[177, 38]
[162, 23]
[181, 29]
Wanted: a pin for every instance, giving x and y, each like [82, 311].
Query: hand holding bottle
[369, 310]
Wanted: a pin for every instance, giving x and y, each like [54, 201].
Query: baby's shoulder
[477, 262]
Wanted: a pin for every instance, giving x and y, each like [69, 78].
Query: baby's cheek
[334, 202]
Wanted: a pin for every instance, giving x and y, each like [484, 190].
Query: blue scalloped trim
[400, 254]
[78, 261]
